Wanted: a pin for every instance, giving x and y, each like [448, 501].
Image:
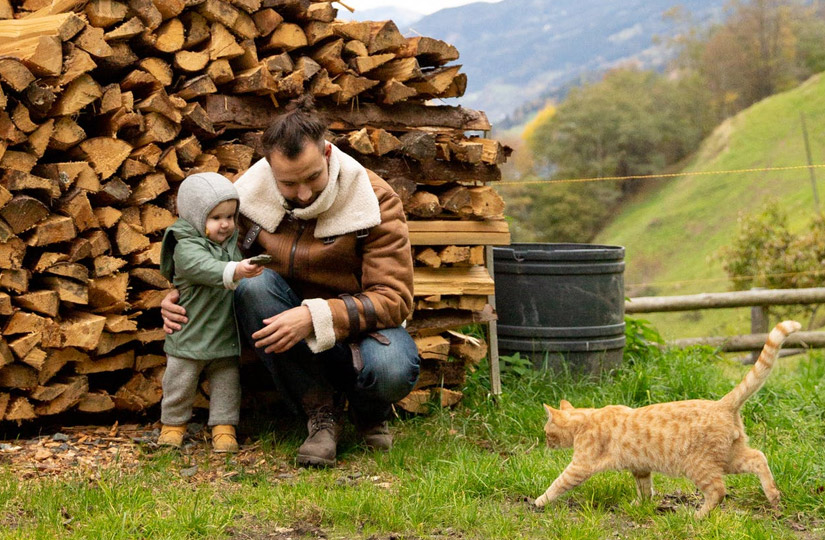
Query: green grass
[461, 473]
[673, 232]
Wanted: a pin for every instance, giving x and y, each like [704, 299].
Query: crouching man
[325, 316]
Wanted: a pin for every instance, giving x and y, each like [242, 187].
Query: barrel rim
[557, 252]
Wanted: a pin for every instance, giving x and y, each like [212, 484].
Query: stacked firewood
[106, 105]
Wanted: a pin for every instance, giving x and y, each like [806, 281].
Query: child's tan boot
[223, 439]
[172, 436]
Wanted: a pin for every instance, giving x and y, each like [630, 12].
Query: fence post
[759, 323]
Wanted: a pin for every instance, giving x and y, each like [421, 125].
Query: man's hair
[289, 133]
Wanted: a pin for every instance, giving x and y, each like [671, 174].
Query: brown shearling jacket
[378, 266]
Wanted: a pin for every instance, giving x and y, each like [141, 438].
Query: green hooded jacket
[196, 267]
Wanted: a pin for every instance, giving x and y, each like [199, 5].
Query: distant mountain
[515, 51]
[402, 18]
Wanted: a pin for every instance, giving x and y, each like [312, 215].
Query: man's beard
[293, 203]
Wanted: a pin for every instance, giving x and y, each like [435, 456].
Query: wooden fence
[757, 299]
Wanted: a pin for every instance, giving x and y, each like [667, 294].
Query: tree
[766, 254]
[632, 122]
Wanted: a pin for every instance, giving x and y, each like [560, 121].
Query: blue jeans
[312, 380]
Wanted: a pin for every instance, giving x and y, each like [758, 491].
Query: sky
[422, 6]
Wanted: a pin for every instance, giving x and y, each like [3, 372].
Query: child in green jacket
[200, 255]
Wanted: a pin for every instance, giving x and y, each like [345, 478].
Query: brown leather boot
[377, 436]
[320, 446]
[370, 424]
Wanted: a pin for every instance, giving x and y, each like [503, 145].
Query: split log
[16, 279]
[423, 204]
[148, 361]
[67, 134]
[68, 290]
[433, 347]
[429, 51]
[105, 154]
[48, 393]
[456, 200]
[267, 20]
[286, 37]
[92, 41]
[95, 402]
[45, 302]
[18, 376]
[129, 29]
[76, 387]
[14, 73]
[11, 254]
[81, 330]
[21, 347]
[425, 401]
[23, 212]
[125, 360]
[120, 323]
[56, 359]
[487, 204]
[76, 206]
[19, 408]
[107, 290]
[51, 230]
[105, 265]
[18, 180]
[141, 392]
[384, 36]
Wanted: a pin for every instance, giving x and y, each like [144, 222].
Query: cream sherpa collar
[346, 205]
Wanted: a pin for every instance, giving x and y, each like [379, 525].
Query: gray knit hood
[199, 193]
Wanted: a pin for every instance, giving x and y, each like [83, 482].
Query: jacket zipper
[301, 226]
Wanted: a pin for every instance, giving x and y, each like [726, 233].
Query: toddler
[200, 255]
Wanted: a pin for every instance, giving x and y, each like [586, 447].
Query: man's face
[302, 179]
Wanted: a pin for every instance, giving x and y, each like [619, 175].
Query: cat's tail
[758, 374]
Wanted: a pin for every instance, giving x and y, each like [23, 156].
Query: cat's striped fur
[700, 439]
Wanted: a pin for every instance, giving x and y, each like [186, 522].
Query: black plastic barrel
[561, 303]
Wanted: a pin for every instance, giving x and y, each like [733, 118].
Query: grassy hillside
[673, 233]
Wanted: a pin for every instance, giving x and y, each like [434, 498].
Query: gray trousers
[180, 385]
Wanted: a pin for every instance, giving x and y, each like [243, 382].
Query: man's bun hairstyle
[290, 131]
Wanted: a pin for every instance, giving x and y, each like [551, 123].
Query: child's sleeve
[194, 263]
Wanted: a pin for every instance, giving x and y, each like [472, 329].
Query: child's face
[220, 223]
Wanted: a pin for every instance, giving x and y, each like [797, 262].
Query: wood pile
[106, 105]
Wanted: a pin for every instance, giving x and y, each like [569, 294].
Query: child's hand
[246, 269]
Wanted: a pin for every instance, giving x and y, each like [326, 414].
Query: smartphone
[261, 259]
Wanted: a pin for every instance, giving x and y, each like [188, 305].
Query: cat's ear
[565, 405]
[549, 411]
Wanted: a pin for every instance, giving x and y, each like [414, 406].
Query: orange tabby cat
[700, 439]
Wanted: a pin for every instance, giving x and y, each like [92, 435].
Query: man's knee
[266, 294]
[390, 371]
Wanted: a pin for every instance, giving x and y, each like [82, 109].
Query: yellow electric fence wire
[676, 175]
[660, 175]
[737, 278]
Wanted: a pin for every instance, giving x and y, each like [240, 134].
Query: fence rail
[757, 299]
[754, 297]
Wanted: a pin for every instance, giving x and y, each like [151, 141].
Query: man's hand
[246, 269]
[284, 330]
[173, 315]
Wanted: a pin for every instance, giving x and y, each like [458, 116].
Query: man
[325, 317]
